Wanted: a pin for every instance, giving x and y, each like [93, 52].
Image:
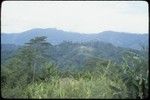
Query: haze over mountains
[55, 36]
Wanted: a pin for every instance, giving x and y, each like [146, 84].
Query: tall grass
[72, 88]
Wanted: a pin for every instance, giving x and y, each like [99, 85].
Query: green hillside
[91, 69]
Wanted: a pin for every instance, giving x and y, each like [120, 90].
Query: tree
[33, 54]
[135, 75]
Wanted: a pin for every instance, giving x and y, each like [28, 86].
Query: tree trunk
[33, 72]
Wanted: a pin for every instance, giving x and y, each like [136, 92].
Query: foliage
[77, 71]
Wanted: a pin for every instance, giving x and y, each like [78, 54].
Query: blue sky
[75, 16]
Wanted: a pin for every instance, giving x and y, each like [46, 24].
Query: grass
[72, 88]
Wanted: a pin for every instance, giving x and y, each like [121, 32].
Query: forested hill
[68, 54]
[7, 51]
[55, 36]
[91, 69]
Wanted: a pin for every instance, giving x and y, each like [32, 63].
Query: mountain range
[55, 36]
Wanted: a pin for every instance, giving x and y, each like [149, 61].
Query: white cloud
[78, 16]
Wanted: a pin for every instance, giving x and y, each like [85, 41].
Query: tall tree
[33, 53]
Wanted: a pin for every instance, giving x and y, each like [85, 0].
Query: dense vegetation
[73, 70]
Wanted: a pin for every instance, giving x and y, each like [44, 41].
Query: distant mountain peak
[56, 36]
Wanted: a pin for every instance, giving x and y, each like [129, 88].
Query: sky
[75, 16]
